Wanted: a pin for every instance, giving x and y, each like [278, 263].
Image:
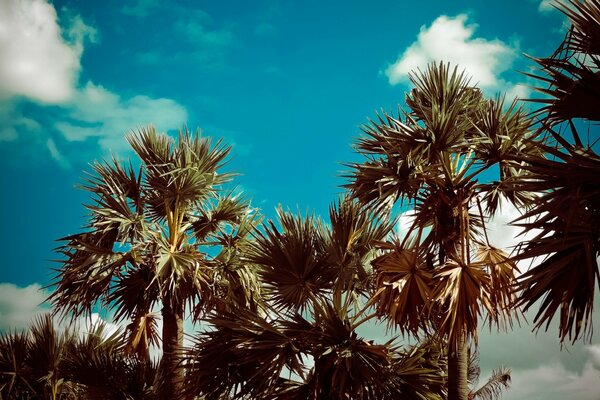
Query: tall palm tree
[566, 213]
[307, 346]
[435, 159]
[161, 235]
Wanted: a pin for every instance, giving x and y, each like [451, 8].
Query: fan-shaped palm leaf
[404, 285]
[294, 264]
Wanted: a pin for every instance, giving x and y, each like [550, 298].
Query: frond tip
[492, 389]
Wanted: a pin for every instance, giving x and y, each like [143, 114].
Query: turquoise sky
[287, 83]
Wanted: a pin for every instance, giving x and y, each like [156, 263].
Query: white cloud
[96, 112]
[56, 154]
[594, 351]
[450, 39]
[37, 62]
[18, 306]
[41, 62]
[500, 232]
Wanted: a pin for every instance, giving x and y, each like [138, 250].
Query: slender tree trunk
[170, 376]
[458, 359]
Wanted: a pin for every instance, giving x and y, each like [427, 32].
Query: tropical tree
[307, 345]
[446, 162]
[565, 215]
[164, 234]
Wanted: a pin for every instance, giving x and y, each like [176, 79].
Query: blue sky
[287, 83]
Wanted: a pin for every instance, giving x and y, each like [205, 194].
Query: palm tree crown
[164, 234]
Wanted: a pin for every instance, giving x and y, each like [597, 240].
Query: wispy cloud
[555, 382]
[546, 6]
[140, 8]
[451, 39]
[97, 113]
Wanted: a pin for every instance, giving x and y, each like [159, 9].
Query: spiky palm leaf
[570, 76]
[100, 365]
[565, 215]
[294, 264]
[16, 380]
[32, 363]
[491, 390]
[244, 356]
[566, 218]
[404, 285]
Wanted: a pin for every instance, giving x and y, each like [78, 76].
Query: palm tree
[436, 160]
[161, 235]
[307, 346]
[566, 213]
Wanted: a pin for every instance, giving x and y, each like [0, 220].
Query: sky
[286, 83]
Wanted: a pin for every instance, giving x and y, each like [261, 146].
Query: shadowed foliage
[306, 346]
[45, 363]
[565, 216]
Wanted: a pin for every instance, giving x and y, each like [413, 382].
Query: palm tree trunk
[458, 359]
[170, 383]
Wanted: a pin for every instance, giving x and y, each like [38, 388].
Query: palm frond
[445, 103]
[420, 371]
[458, 289]
[16, 377]
[499, 300]
[345, 364]
[293, 262]
[403, 288]
[492, 389]
[244, 356]
[566, 218]
[351, 242]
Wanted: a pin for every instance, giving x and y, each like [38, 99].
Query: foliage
[316, 277]
[430, 159]
[44, 363]
[566, 215]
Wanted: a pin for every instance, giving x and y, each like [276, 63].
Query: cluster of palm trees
[286, 301]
